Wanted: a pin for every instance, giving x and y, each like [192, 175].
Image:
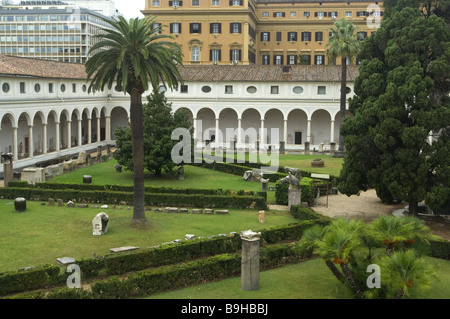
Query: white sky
[130, 8]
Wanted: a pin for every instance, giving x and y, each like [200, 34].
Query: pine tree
[401, 99]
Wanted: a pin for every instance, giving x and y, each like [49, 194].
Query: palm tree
[134, 55]
[404, 270]
[343, 43]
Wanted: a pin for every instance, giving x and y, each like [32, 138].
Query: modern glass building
[54, 34]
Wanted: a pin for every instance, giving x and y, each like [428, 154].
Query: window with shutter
[319, 36]
[278, 36]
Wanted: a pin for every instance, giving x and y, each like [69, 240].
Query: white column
[332, 131]
[69, 134]
[80, 142]
[98, 129]
[194, 125]
[262, 138]
[30, 141]
[108, 128]
[308, 132]
[44, 139]
[217, 133]
[57, 137]
[89, 131]
[239, 136]
[15, 148]
[285, 132]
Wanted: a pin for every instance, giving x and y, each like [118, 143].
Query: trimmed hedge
[150, 281]
[117, 264]
[129, 189]
[83, 196]
[17, 281]
[304, 213]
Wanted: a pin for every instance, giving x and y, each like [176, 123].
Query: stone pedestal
[250, 260]
[20, 205]
[306, 148]
[282, 148]
[264, 185]
[87, 179]
[8, 173]
[33, 175]
[294, 197]
[332, 148]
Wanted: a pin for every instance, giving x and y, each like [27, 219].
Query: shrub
[18, 281]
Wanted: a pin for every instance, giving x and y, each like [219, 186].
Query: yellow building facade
[269, 32]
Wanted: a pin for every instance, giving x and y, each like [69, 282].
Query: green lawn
[45, 233]
[306, 280]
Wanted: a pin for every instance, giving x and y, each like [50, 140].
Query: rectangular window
[265, 14]
[265, 36]
[291, 59]
[319, 59]
[195, 3]
[266, 59]
[228, 89]
[305, 59]
[306, 36]
[278, 36]
[215, 27]
[22, 87]
[235, 55]
[235, 27]
[292, 36]
[348, 13]
[215, 3]
[175, 27]
[319, 36]
[184, 89]
[214, 55]
[155, 3]
[293, 14]
[274, 89]
[175, 3]
[196, 28]
[319, 14]
[278, 59]
[279, 14]
[321, 90]
[156, 27]
[333, 14]
[236, 2]
[361, 35]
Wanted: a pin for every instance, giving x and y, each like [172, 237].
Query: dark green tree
[401, 99]
[159, 123]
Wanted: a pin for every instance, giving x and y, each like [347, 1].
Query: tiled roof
[18, 66]
[12, 65]
[266, 73]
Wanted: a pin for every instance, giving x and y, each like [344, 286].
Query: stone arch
[273, 123]
[7, 122]
[119, 118]
[297, 124]
[206, 123]
[250, 124]
[320, 127]
[228, 124]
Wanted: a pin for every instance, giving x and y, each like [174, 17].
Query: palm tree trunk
[137, 136]
[335, 271]
[343, 109]
[399, 294]
[351, 279]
